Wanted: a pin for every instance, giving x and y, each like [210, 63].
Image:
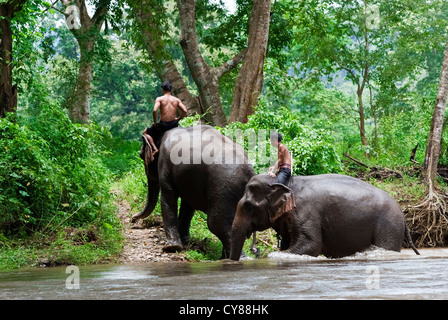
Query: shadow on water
[375, 274]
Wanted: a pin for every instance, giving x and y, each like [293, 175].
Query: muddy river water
[375, 274]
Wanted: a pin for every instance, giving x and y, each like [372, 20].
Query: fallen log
[376, 172]
[355, 160]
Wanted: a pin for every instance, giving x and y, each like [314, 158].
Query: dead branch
[355, 160]
[375, 172]
[414, 151]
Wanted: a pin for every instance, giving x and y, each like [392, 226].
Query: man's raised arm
[154, 111]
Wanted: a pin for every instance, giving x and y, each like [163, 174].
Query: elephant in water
[207, 170]
[330, 214]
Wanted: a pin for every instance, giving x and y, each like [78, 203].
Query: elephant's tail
[409, 239]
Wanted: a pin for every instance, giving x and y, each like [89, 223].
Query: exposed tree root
[429, 220]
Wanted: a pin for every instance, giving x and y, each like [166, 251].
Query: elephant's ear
[146, 153]
[281, 200]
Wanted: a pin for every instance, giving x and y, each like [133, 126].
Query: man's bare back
[284, 158]
[168, 106]
[283, 166]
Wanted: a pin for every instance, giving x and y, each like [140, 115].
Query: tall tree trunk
[250, 78]
[151, 38]
[206, 82]
[375, 118]
[79, 102]
[205, 77]
[435, 133]
[8, 91]
[86, 33]
[362, 129]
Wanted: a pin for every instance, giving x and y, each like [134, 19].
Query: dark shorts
[157, 131]
[283, 176]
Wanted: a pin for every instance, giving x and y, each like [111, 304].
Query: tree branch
[352, 75]
[10, 8]
[298, 82]
[355, 160]
[230, 64]
[188, 38]
[100, 14]
[83, 14]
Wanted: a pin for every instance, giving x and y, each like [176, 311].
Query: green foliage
[133, 187]
[312, 149]
[191, 120]
[55, 176]
[51, 174]
[211, 248]
[124, 94]
[122, 156]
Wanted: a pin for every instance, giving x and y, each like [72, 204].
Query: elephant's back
[339, 185]
[202, 144]
[355, 213]
[339, 193]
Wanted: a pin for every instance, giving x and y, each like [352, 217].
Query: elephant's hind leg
[186, 213]
[389, 234]
[309, 247]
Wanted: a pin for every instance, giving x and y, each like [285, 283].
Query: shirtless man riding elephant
[212, 187]
[168, 106]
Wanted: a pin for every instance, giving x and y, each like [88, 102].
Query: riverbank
[142, 242]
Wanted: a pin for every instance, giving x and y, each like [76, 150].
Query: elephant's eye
[248, 206]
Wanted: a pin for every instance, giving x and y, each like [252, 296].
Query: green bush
[51, 174]
[312, 149]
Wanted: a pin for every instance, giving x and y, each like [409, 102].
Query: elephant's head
[262, 204]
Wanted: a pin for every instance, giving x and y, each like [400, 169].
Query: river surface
[374, 274]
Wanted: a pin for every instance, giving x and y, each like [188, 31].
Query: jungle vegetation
[357, 87]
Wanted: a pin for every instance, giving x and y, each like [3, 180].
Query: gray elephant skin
[334, 215]
[214, 188]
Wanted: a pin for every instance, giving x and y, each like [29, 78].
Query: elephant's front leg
[306, 237]
[168, 203]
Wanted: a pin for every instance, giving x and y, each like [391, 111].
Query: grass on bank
[92, 244]
[55, 204]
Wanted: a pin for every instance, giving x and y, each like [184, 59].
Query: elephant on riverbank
[203, 168]
[330, 214]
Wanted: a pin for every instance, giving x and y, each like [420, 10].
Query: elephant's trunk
[236, 246]
[240, 230]
[151, 201]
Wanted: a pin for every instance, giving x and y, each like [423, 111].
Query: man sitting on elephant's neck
[168, 105]
[282, 169]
